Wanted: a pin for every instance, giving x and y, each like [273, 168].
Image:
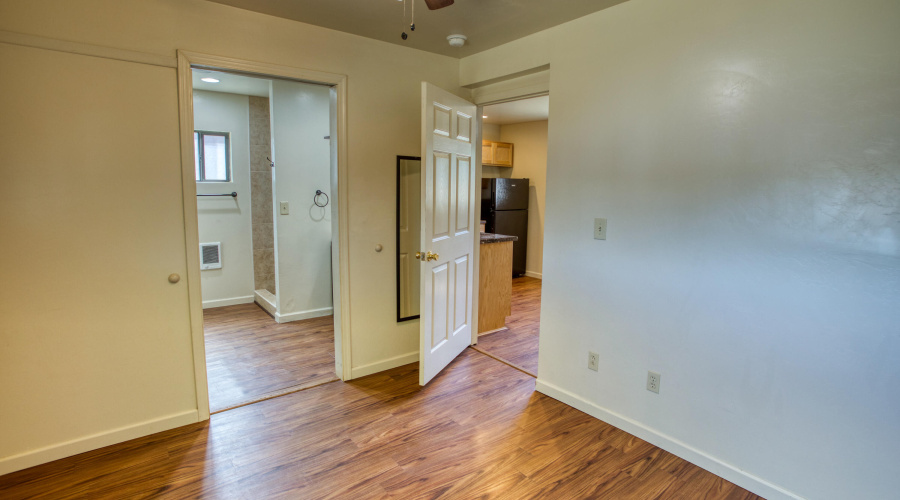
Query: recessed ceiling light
[209, 80]
[484, 116]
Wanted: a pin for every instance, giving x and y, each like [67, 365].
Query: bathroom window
[211, 156]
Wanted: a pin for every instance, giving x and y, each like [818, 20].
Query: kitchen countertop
[497, 238]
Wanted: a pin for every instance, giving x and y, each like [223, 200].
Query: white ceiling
[233, 84]
[524, 110]
[487, 23]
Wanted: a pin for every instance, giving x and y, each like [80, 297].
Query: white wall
[223, 219]
[300, 115]
[746, 156]
[79, 394]
[530, 161]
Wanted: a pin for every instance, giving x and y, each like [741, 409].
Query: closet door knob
[174, 278]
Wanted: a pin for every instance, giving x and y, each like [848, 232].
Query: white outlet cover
[285, 208]
[653, 381]
[593, 361]
[599, 229]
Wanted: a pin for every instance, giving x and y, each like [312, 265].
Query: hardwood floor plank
[477, 431]
[518, 344]
[249, 356]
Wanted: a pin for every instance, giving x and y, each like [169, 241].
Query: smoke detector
[457, 40]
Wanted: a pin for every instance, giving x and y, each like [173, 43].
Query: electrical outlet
[599, 229]
[285, 208]
[653, 382]
[593, 361]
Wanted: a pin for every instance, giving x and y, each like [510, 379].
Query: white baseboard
[387, 364]
[699, 458]
[209, 304]
[297, 316]
[532, 274]
[266, 300]
[95, 441]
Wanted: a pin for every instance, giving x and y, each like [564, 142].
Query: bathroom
[263, 164]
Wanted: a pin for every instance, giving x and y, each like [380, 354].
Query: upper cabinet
[497, 154]
[487, 152]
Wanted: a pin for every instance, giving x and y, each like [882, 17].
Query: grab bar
[233, 194]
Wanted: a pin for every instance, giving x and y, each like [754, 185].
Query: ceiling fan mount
[432, 5]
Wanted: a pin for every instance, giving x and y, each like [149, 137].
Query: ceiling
[524, 110]
[486, 23]
[231, 83]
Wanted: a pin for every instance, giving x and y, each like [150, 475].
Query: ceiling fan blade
[438, 4]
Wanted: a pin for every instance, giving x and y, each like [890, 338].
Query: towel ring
[319, 192]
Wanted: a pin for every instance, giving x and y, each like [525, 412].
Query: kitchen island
[495, 281]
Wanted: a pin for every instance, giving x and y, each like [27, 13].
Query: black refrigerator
[504, 208]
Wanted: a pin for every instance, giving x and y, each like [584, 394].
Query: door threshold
[275, 394]
[505, 362]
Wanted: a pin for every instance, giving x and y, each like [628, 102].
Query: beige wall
[746, 157]
[100, 394]
[530, 161]
[490, 132]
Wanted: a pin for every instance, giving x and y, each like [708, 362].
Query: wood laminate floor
[519, 343]
[250, 357]
[478, 430]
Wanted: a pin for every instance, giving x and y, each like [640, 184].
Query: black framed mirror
[409, 194]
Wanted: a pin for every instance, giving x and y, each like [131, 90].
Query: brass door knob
[418, 255]
[431, 256]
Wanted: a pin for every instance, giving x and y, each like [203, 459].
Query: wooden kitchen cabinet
[487, 152]
[497, 154]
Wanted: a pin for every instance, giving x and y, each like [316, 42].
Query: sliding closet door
[95, 342]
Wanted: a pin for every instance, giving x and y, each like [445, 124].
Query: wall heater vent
[210, 256]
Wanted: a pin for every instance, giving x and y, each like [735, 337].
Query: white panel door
[448, 229]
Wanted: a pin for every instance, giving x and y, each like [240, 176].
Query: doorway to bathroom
[263, 169]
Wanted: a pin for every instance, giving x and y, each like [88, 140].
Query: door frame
[480, 103]
[188, 60]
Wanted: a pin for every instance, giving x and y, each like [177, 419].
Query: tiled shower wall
[261, 195]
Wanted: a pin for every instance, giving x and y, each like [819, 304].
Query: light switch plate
[599, 229]
[285, 208]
